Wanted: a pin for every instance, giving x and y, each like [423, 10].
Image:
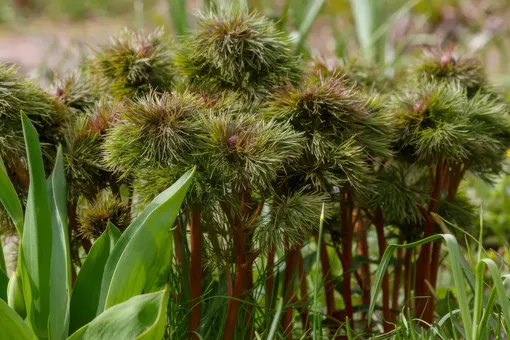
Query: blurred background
[46, 37]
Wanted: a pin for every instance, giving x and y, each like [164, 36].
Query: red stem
[291, 261]
[195, 269]
[240, 281]
[397, 279]
[303, 310]
[347, 228]
[360, 228]
[270, 276]
[381, 241]
[424, 265]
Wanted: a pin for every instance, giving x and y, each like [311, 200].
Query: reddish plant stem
[360, 229]
[270, 276]
[303, 290]
[291, 261]
[424, 265]
[240, 280]
[407, 274]
[327, 276]
[22, 174]
[381, 242]
[195, 269]
[397, 279]
[346, 207]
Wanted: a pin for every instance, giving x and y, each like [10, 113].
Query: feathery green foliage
[133, 64]
[94, 218]
[235, 50]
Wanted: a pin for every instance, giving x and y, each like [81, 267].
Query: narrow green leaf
[87, 288]
[363, 19]
[4, 283]
[457, 271]
[477, 309]
[60, 289]
[503, 298]
[126, 270]
[489, 307]
[9, 199]
[12, 325]
[36, 242]
[15, 295]
[142, 317]
[274, 325]
[179, 15]
[305, 26]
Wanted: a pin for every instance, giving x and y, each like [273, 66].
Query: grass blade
[503, 298]
[274, 325]
[177, 11]
[36, 242]
[313, 9]
[316, 318]
[457, 271]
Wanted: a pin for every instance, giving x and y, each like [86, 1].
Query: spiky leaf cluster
[235, 50]
[242, 152]
[359, 73]
[133, 64]
[399, 189]
[154, 129]
[84, 168]
[467, 71]
[75, 91]
[343, 130]
[291, 218]
[19, 94]
[438, 121]
[94, 219]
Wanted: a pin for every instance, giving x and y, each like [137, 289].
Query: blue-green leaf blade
[36, 242]
[60, 289]
[12, 325]
[9, 199]
[87, 287]
[141, 317]
[135, 258]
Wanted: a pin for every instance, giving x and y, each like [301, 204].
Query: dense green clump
[234, 50]
[439, 121]
[106, 208]
[446, 67]
[133, 64]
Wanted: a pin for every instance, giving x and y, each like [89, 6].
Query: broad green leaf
[36, 242]
[15, 295]
[60, 289]
[4, 282]
[87, 287]
[141, 317]
[9, 199]
[135, 255]
[12, 326]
